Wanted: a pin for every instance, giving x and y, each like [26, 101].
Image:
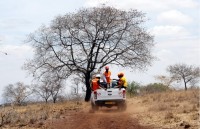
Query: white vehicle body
[110, 97]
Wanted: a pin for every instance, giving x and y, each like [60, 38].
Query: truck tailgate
[110, 94]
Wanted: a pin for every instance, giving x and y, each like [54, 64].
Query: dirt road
[103, 119]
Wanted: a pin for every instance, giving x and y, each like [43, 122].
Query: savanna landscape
[70, 57]
[166, 110]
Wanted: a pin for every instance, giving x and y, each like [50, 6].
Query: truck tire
[95, 107]
[122, 106]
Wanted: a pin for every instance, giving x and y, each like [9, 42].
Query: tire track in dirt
[103, 119]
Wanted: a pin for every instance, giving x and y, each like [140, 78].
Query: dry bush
[191, 96]
[7, 115]
[35, 115]
[169, 115]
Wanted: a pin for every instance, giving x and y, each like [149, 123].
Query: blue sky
[175, 25]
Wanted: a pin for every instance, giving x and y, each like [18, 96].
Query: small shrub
[6, 116]
[133, 88]
[169, 115]
[154, 88]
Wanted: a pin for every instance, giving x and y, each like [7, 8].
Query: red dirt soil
[106, 118]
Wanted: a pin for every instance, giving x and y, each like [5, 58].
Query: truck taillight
[124, 93]
[95, 94]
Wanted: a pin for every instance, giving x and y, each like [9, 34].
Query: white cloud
[183, 3]
[12, 23]
[179, 50]
[127, 4]
[164, 56]
[172, 31]
[1, 38]
[146, 5]
[11, 64]
[173, 17]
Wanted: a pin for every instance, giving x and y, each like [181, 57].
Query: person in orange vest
[96, 82]
[122, 82]
[107, 75]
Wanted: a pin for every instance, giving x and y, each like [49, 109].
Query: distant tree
[49, 86]
[16, 93]
[187, 73]
[43, 91]
[154, 88]
[56, 88]
[79, 43]
[164, 79]
[75, 85]
[133, 88]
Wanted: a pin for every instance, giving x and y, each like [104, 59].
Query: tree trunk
[88, 89]
[54, 100]
[46, 100]
[185, 85]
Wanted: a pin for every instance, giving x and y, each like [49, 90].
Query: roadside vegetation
[35, 115]
[171, 109]
[174, 109]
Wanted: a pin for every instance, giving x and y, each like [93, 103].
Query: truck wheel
[95, 107]
[122, 106]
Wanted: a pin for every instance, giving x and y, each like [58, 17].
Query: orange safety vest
[107, 75]
[95, 84]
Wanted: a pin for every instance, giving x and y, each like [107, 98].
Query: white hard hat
[98, 75]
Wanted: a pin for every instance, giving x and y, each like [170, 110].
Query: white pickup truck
[109, 98]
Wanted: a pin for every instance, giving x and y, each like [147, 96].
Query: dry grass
[34, 115]
[173, 109]
[170, 109]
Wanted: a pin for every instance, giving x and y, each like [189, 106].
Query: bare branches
[16, 93]
[77, 43]
[187, 73]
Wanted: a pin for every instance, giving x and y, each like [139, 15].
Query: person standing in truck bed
[96, 82]
[107, 75]
[122, 82]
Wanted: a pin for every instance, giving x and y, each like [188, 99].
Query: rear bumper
[109, 102]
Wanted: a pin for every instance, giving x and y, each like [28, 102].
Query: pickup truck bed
[109, 98]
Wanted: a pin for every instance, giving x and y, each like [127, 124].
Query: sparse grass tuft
[169, 115]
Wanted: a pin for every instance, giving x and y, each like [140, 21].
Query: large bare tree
[79, 43]
[187, 73]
